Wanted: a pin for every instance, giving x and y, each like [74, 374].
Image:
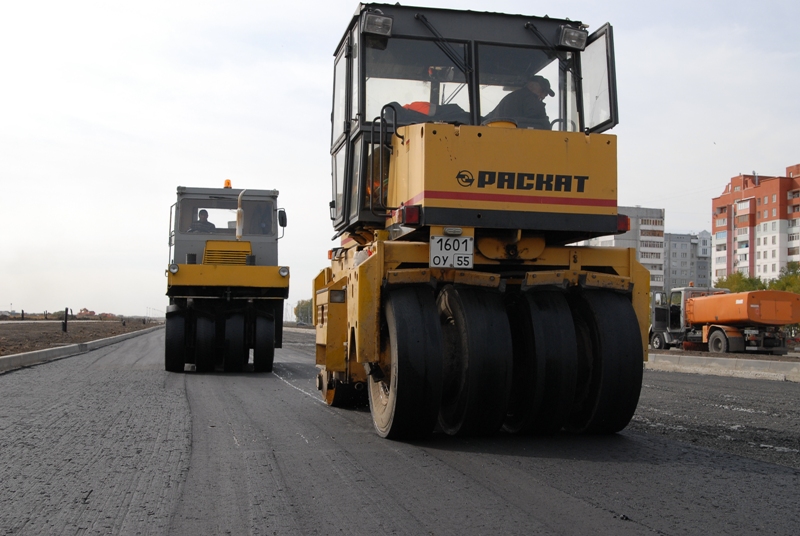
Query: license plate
[451, 251]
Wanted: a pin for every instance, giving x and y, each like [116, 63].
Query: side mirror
[282, 217]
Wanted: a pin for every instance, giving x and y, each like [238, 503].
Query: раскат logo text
[508, 180]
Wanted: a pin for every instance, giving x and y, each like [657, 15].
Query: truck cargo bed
[759, 307]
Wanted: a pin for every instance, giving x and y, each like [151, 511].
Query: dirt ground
[18, 337]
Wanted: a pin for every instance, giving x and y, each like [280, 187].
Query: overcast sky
[105, 108]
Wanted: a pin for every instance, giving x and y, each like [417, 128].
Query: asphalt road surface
[109, 443]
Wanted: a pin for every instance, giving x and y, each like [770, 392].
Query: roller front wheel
[477, 361]
[610, 362]
[264, 347]
[405, 389]
[175, 344]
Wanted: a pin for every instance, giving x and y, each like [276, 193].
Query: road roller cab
[468, 158]
[225, 287]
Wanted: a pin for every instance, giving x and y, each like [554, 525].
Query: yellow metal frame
[224, 275]
[484, 170]
[534, 170]
[364, 283]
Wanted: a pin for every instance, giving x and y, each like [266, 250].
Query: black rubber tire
[545, 363]
[236, 352]
[610, 362]
[405, 402]
[204, 344]
[264, 347]
[718, 343]
[477, 361]
[175, 344]
[657, 341]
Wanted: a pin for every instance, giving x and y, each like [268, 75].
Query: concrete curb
[726, 366]
[15, 361]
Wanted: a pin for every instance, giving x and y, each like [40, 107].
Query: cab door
[660, 312]
[599, 82]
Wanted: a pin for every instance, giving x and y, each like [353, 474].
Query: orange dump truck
[739, 322]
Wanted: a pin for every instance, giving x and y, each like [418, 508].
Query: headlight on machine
[283, 271]
[173, 269]
[573, 38]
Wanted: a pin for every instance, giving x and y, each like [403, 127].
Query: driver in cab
[202, 225]
[525, 106]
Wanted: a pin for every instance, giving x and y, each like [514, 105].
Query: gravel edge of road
[37, 357]
[726, 366]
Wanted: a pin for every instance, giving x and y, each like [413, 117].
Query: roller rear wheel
[545, 363]
[404, 395]
[264, 348]
[477, 361]
[204, 344]
[175, 344]
[610, 362]
[236, 352]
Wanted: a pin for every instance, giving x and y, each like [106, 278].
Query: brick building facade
[756, 225]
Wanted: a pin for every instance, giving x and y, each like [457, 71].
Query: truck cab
[668, 325]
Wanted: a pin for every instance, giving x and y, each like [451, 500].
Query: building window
[764, 228]
[758, 255]
[794, 251]
[722, 221]
[773, 253]
[765, 213]
[773, 267]
[794, 236]
[683, 255]
[773, 240]
[774, 212]
[758, 268]
[774, 197]
[722, 272]
[648, 232]
[774, 227]
[766, 200]
[720, 247]
[651, 244]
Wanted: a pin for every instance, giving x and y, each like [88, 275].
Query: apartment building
[756, 225]
[646, 236]
[687, 260]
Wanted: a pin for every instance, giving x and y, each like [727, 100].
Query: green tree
[302, 311]
[789, 278]
[738, 282]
